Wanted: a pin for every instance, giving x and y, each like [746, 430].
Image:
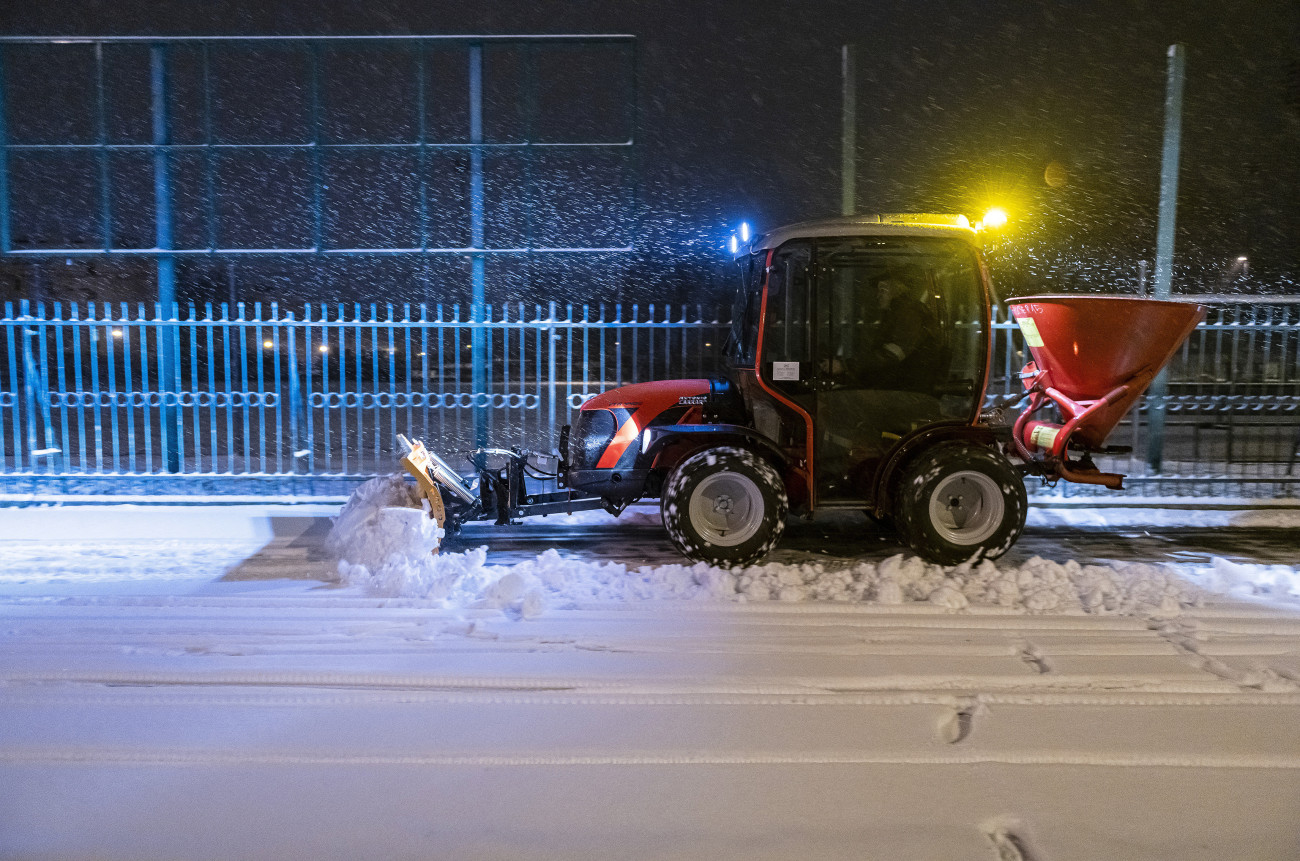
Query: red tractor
[857, 367]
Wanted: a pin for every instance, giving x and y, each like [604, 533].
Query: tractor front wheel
[958, 502]
[725, 506]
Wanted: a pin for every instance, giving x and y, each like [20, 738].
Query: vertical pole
[169, 434]
[30, 399]
[209, 168]
[550, 367]
[422, 154]
[101, 135]
[296, 448]
[848, 133]
[477, 346]
[317, 172]
[1165, 242]
[11, 333]
[4, 165]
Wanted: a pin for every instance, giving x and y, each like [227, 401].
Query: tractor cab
[851, 335]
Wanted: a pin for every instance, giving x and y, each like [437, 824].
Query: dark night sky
[961, 104]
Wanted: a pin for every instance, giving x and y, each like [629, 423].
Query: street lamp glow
[744, 231]
[995, 217]
[734, 245]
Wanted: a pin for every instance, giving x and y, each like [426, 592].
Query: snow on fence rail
[119, 396]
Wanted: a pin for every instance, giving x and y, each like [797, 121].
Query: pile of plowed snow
[383, 536]
[385, 545]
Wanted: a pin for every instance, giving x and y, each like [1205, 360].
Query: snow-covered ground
[211, 682]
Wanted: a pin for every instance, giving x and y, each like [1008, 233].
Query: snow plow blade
[430, 472]
[511, 483]
[419, 461]
[1094, 356]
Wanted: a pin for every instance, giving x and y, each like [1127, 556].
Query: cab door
[872, 338]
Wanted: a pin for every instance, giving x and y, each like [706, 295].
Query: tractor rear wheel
[725, 506]
[958, 502]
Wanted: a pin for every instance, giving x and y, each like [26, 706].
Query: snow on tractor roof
[896, 224]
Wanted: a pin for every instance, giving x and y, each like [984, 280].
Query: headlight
[590, 437]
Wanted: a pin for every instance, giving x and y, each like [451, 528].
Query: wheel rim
[726, 509]
[967, 507]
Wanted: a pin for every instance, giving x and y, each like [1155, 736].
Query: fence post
[1165, 243]
[4, 166]
[9, 396]
[36, 376]
[296, 451]
[478, 377]
[25, 334]
[550, 341]
[170, 436]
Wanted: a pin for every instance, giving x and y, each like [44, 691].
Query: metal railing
[263, 392]
[310, 400]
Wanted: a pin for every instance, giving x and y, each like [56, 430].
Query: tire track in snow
[624, 686]
[215, 696]
[180, 757]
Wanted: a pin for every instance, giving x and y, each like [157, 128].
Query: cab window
[787, 330]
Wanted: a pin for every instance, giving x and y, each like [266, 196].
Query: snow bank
[550, 581]
[385, 544]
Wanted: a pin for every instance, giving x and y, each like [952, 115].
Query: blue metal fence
[265, 392]
[313, 397]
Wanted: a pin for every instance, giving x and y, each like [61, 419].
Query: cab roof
[901, 224]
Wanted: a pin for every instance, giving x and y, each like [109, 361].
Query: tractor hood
[648, 398]
[607, 431]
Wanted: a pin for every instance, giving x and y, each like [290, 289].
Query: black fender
[655, 439]
[915, 443]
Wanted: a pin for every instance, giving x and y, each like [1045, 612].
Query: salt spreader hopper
[1094, 356]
